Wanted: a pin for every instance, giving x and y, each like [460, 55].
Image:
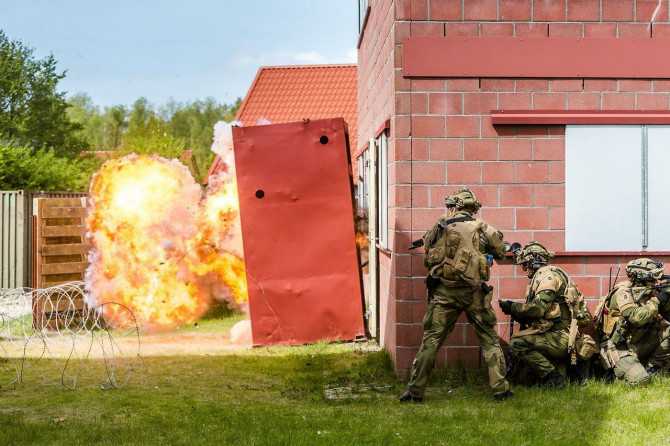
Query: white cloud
[292, 58]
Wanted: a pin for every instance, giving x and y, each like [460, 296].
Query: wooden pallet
[61, 248]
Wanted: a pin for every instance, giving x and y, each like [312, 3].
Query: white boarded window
[658, 149]
[614, 188]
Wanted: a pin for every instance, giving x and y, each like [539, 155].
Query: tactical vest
[614, 328]
[452, 254]
[569, 305]
[608, 315]
[604, 317]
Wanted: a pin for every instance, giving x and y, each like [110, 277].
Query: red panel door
[296, 210]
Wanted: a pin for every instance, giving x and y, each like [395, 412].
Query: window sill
[544, 117]
[385, 251]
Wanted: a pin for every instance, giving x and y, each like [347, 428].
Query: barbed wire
[54, 334]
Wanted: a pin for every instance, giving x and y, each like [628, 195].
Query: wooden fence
[61, 249]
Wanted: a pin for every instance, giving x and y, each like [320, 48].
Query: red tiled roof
[291, 93]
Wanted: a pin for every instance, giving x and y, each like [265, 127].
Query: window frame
[646, 174]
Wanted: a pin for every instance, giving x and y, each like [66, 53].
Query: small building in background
[292, 93]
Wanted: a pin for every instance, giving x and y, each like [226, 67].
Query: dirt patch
[168, 344]
[99, 345]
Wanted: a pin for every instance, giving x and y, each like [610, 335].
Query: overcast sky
[117, 51]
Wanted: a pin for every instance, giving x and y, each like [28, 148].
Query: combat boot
[408, 397]
[580, 372]
[653, 370]
[502, 396]
[554, 380]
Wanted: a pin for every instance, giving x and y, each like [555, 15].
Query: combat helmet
[463, 199]
[644, 269]
[533, 255]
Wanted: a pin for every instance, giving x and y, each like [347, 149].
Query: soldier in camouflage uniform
[456, 249]
[545, 314]
[631, 324]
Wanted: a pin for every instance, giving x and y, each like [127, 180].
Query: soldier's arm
[536, 308]
[639, 316]
[494, 241]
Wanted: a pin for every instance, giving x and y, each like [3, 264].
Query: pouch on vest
[609, 356]
[585, 347]
[605, 319]
[461, 264]
[434, 253]
[484, 268]
[610, 318]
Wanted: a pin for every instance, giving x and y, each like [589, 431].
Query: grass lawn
[323, 394]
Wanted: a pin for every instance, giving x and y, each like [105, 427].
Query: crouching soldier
[458, 254]
[635, 341]
[553, 312]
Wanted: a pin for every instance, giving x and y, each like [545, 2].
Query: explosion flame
[159, 248]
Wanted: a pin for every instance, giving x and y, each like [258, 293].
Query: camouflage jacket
[546, 287]
[638, 310]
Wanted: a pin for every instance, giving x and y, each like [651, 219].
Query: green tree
[32, 111]
[147, 133]
[144, 129]
[23, 167]
[194, 123]
[115, 124]
[82, 111]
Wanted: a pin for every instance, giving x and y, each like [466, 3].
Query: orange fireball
[157, 250]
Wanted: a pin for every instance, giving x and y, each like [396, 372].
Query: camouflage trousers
[534, 349]
[653, 347]
[439, 321]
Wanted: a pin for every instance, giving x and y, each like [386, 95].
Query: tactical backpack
[579, 344]
[451, 252]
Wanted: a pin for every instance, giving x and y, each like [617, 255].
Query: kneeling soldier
[553, 311]
[630, 321]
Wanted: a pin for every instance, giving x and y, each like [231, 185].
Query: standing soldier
[547, 314]
[456, 249]
[630, 321]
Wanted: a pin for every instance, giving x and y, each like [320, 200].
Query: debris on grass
[354, 392]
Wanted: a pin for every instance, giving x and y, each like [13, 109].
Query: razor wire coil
[54, 334]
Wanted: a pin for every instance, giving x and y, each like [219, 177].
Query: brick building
[554, 112]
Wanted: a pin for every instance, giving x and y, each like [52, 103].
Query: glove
[505, 306]
[663, 298]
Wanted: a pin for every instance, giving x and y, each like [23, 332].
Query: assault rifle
[416, 244]
[664, 283]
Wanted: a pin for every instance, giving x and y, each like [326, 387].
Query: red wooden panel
[296, 210]
[536, 57]
[580, 117]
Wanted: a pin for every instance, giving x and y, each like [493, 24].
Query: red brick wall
[443, 140]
